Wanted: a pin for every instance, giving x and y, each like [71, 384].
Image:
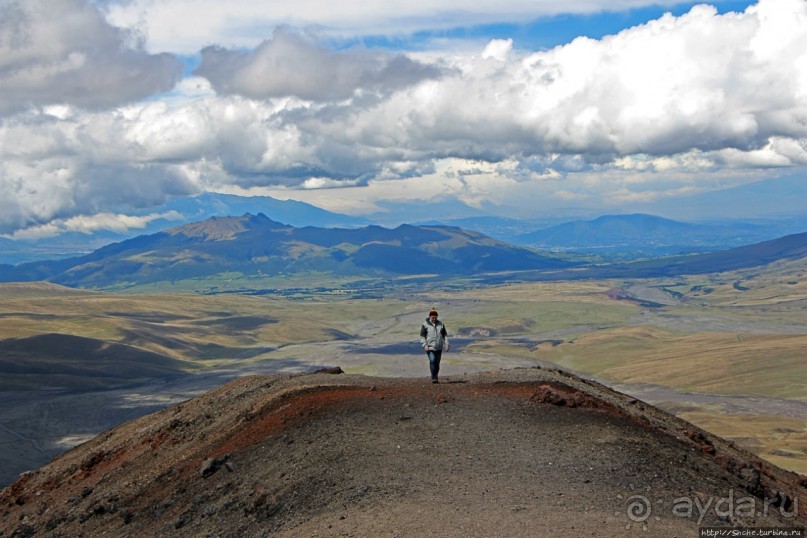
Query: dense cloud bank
[662, 103]
[65, 52]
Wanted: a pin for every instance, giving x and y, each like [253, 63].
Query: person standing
[434, 340]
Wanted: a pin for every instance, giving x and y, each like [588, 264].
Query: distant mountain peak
[225, 228]
[635, 217]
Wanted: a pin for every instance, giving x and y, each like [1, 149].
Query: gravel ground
[525, 452]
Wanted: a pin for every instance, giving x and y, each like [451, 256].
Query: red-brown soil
[526, 452]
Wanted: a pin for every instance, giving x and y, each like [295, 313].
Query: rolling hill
[257, 245]
[65, 360]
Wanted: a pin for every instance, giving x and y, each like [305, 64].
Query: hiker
[434, 340]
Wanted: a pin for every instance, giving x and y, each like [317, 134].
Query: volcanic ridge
[523, 452]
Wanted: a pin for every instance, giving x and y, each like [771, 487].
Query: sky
[109, 109]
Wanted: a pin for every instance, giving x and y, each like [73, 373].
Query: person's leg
[434, 363]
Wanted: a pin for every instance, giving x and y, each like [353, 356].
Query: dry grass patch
[780, 282]
[531, 317]
[781, 440]
[585, 292]
[717, 363]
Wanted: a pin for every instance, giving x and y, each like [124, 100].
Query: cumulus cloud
[651, 109]
[498, 49]
[700, 81]
[92, 223]
[688, 87]
[291, 65]
[65, 52]
[61, 189]
[56, 167]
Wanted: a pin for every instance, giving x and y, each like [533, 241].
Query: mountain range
[177, 211]
[257, 245]
[612, 237]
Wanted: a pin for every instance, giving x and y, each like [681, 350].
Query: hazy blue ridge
[641, 235]
[789, 247]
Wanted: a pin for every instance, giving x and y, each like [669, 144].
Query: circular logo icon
[639, 508]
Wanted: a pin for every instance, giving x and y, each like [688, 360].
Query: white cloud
[655, 108]
[240, 24]
[778, 152]
[498, 49]
[78, 163]
[92, 223]
[65, 52]
[502, 190]
[291, 64]
[325, 183]
[670, 87]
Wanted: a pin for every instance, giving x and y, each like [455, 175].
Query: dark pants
[434, 362]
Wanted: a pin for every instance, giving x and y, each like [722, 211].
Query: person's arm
[444, 333]
[423, 334]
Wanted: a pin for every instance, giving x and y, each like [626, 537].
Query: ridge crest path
[523, 452]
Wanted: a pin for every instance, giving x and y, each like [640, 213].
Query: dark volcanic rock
[526, 452]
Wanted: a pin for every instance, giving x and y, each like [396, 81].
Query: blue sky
[546, 31]
[511, 107]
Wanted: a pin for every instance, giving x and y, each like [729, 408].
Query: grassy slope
[781, 440]
[715, 363]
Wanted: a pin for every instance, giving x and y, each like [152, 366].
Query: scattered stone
[24, 531]
[750, 475]
[330, 370]
[211, 465]
[127, 516]
[181, 522]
